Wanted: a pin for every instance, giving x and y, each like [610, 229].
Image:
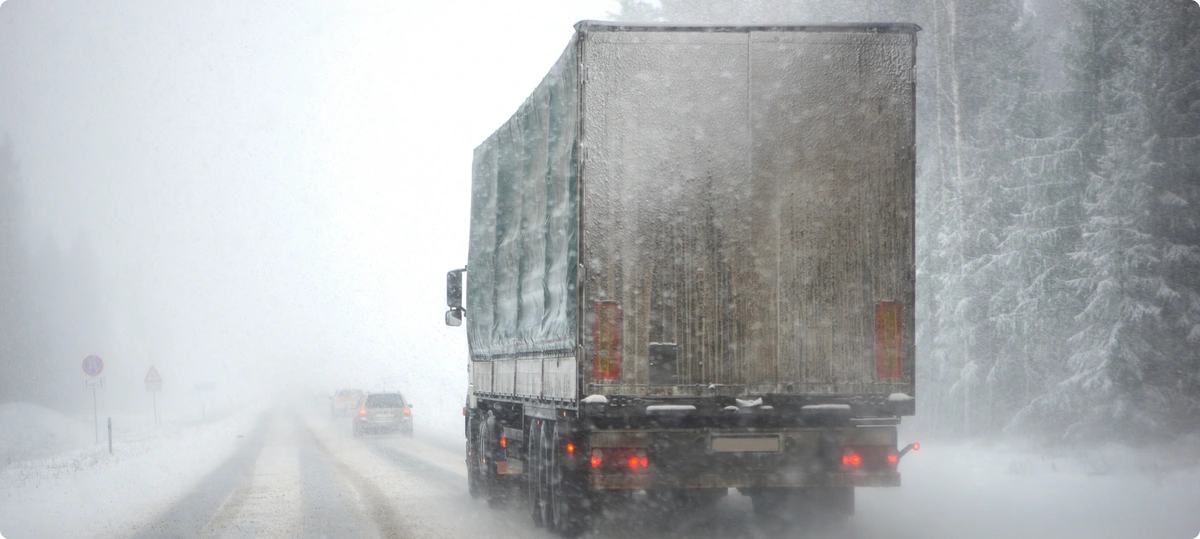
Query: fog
[271, 192]
[261, 200]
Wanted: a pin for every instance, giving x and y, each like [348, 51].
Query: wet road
[302, 475]
[306, 476]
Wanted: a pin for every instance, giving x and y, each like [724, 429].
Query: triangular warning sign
[152, 377]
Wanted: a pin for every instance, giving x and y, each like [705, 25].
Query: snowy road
[300, 475]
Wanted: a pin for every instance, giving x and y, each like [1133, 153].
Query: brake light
[892, 459]
[889, 339]
[407, 411]
[570, 448]
[606, 337]
[339, 399]
[851, 460]
[620, 457]
[504, 442]
[362, 411]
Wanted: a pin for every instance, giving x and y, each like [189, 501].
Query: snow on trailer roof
[879, 28]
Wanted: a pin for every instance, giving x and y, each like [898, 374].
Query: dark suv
[383, 412]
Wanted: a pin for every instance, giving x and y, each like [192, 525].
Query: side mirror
[454, 288]
[454, 317]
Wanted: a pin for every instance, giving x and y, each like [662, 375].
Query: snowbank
[30, 431]
[85, 492]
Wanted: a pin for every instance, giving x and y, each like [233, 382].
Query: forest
[1058, 226]
[1058, 250]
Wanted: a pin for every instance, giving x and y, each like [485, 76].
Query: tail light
[621, 457]
[851, 459]
[570, 448]
[606, 337]
[362, 411]
[407, 411]
[504, 442]
[889, 339]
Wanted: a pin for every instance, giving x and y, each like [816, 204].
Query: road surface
[299, 474]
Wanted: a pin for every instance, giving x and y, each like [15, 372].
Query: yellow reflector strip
[606, 338]
[889, 340]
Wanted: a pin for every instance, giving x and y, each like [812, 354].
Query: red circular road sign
[92, 365]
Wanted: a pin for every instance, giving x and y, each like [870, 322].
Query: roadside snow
[29, 431]
[85, 492]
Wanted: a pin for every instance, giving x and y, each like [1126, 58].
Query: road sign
[93, 365]
[94, 383]
[153, 380]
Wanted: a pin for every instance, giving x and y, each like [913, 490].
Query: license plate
[741, 444]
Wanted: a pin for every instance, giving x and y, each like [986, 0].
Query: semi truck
[691, 270]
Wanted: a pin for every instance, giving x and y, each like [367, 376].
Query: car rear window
[385, 400]
[346, 393]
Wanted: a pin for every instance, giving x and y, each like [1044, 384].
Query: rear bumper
[747, 458]
[649, 479]
[378, 426]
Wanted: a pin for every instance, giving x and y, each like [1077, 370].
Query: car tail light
[597, 458]
[570, 448]
[606, 337]
[362, 411]
[889, 339]
[407, 411]
[504, 442]
[851, 459]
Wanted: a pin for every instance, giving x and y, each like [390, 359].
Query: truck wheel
[533, 473]
[494, 485]
[569, 503]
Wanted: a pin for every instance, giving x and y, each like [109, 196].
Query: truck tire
[533, 473]
[495, 486]
[474, 477]
[570, 506]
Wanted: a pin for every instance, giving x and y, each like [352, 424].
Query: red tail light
[889, 339]
[407, 411]
[504, 442]
[362, 411]
[892, 459]
[851, 460]
[570, 448]
[606, 338]
[620, 457]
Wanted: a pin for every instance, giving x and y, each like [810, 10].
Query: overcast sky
[274, 190]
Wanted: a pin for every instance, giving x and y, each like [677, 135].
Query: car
[344, 402]
[383, 412]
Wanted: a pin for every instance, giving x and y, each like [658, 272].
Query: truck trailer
[691, 269]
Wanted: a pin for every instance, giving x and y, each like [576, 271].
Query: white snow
[899, 397]
[749, 403]
[827, 407]
[82, 491]
[595, 399]
[653, 408]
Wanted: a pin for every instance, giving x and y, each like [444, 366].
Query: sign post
[154, 385]
[93, 366]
